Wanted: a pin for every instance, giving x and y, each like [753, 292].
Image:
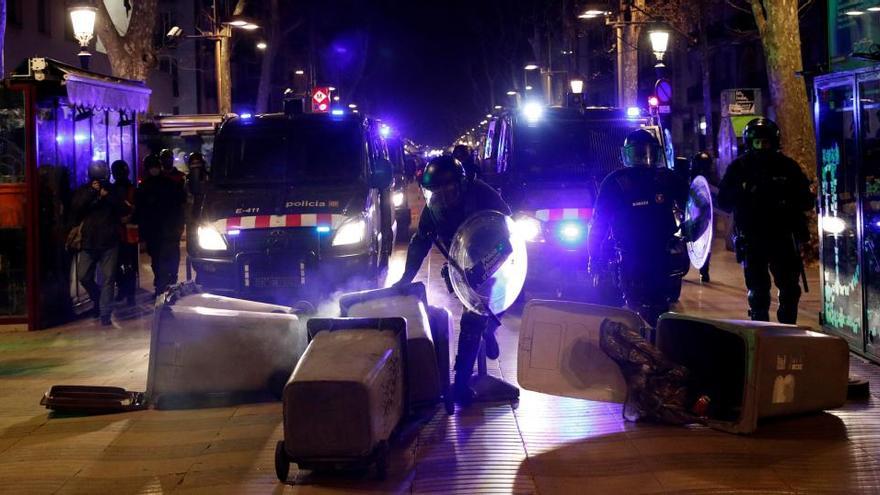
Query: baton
[455, 266]
[797, 250]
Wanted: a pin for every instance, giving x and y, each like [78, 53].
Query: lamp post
[82, 16]
[659, 43]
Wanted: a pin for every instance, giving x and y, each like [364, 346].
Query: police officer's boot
[788, 304]
[468, 348]
[759, 306]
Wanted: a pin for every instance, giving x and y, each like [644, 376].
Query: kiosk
[55, 120]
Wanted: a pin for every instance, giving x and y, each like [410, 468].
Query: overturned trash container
[346, 396]
[753, 370]
[727, 374]
[207, 349]
[427, 336]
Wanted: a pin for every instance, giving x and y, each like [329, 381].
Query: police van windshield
[569, 150]
[297, 152]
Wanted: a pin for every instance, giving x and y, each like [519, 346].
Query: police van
[548, 164]
[294, 207]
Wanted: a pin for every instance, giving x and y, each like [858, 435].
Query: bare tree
[132, 54]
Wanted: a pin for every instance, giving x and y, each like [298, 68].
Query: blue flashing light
[246, 116]
[633, 112]
[337, 112]
[79, 138]
[59, 138]
[384, 130]
[323, 229]
[571, 232]
[233, 232]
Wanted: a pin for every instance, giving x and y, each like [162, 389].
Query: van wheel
[282, 463]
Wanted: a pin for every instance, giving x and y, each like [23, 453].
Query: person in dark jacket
[97, 208]
[166, 161]
[453, 198]
[768, 194]
[636, 206]
[160, 217]
[126, 268]
[464, 155]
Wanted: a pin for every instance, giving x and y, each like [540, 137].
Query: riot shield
[492, 257]
[698, 222]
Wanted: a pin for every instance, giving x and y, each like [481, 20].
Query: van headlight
[530, 228]
[397, 198]
[352, 231]
[210, 239]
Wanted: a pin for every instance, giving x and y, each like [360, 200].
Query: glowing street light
[82, 16]
[261, 45]
[577, 86]
[511, 93]
[530, 66]
[352, 106]
[659, 43]
[299, 72]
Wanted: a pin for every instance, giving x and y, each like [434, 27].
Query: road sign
[320, 99]
[663, 90]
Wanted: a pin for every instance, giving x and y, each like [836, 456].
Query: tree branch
[760, 17]
[737, 7]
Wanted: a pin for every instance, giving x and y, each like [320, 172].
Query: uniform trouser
[126, 269]
[644, 281]
[472, 327]
[164, 260]
[89, 260]
[783, 262]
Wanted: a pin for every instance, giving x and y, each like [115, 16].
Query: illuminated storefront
[54, 121]
[847, 113]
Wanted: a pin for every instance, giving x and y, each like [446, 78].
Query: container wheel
[282, 463]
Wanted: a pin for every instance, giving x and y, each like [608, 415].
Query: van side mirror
[382, 175]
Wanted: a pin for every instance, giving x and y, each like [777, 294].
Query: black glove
[444, 272]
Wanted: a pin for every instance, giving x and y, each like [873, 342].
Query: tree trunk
[131, 54]
[2, 39]
[224, 71]
[629, 57]
[274, 39]
[706, 65]
[779, 27]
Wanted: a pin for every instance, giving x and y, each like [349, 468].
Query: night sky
[418, 58]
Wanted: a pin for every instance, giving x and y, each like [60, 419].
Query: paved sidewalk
[543, 444]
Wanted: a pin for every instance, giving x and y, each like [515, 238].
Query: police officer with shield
[452, 197]
[637, 205]
[768, 194]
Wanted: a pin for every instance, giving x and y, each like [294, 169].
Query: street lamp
[577, 86]
[261, 45]
[659, 42]
[530, 66]
[83, 18]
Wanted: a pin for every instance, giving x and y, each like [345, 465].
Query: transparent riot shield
[492, 259]
[698, 222]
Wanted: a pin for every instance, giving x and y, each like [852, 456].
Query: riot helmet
[120, 171]
[761, 134]
[166, 159]
[195, 160]
[98, 170]
[443, 180]
[461, 153]
[641, 149]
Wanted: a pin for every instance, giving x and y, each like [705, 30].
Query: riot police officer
[768, 194]
[452, 198]
[636, 205]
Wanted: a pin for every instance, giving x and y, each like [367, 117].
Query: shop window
[13, 259]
